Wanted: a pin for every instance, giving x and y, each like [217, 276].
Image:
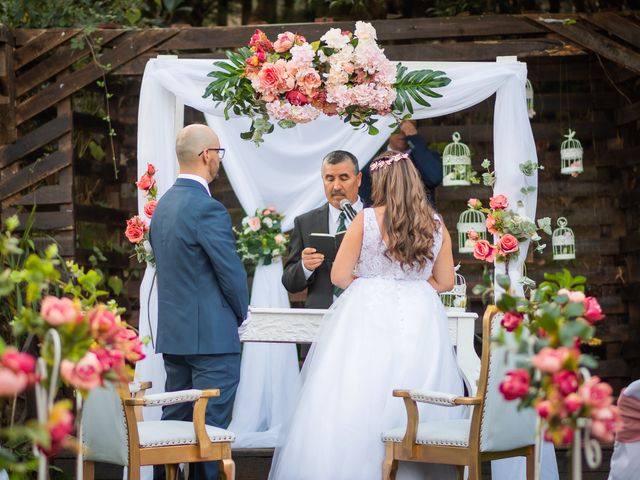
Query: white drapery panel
[285, 171]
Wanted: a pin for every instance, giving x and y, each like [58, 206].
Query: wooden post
[7, 88]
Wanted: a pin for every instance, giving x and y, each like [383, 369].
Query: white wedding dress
[387, 330]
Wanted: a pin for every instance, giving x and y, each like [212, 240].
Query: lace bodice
[374, 263]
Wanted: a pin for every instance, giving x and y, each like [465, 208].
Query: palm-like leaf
[416, 86]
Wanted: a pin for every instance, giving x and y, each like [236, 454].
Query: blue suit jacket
[202, 284]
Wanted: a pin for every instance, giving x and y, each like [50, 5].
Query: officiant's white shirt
[334, 221]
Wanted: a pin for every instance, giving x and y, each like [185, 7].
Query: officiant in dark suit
[427, 162]
[202, 287]
[306, 268]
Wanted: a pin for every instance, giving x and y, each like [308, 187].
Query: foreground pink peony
[59, 426]
[515, 385]
[84, 375]
[58, 311]
[17, 372]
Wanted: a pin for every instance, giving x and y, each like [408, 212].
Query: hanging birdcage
[571, 155]
[529, 94]
[455, 300]
[456, 163]
[470, 221]
[563, 241]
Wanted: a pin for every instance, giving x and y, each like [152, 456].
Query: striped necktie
[337, 291]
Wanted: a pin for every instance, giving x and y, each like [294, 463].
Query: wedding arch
[284, 172]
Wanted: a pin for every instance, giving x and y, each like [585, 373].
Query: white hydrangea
[335, 39]
[365, 32]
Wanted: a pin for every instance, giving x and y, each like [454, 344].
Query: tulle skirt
[378, 336]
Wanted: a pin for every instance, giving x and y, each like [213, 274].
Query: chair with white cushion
[114, 432]
[495, 430]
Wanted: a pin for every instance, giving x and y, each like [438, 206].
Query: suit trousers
[202, 372]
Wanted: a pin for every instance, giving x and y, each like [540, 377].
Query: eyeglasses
[221, 152]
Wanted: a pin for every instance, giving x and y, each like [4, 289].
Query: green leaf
[572, 330]
[115, 284]
[504, 281]
[574, 309]
[588, 361]
[373, 130]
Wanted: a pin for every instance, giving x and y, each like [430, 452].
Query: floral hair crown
[385, 162]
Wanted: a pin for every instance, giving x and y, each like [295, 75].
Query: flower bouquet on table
[510, 227]
[293, 81]
[559, 318]
[137, 231]
[260, 237]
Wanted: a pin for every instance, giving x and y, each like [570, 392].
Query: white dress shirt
[334, 221]
[198, 179]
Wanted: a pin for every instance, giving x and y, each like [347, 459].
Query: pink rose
[254, 224]
[151, 169]
[498, 202]
[515, 385]
[596, 393]
[109, 359]
[544, 408]
[146, 182]
[12, 383]
[490, 222]
[473, 235]
[593, 311]
[296, 97]
[605, 422]
[150, 207]
[256, 59]
[136, 228]
[284, 42]
[102, 322]
[279, 239]
[268, 77]
[508, 244]
[483, 250]
[60, 425]
[550, 360]
[128, 342]
[58, 311]
[574, 296]
[84, 375]
[573, 402]
[259, 41]
[511, 321]
[566, 380]
[17, 361]
[300, 39]
[474, 203]
[308, 80]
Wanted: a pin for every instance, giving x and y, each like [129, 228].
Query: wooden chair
[495, 430]
[114, 432]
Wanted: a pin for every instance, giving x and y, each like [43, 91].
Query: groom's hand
[310, 259]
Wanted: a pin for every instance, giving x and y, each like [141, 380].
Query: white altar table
[300, 325]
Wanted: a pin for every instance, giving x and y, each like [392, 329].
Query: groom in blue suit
[202, 286]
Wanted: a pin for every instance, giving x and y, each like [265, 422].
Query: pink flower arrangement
[510, 228]
[559, 318]
[294, 81]
[260, 237]
[137, 230]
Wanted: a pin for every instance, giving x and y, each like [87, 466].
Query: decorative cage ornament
[456, 163]
[563, 241]
[470, 221]
[529, 95]
[455, 300]
[571, 155]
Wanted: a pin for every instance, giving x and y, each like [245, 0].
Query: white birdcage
[470, 221]
[571, 155]
[456, 163]
[563, 241]
[455, 300]
[529, 94]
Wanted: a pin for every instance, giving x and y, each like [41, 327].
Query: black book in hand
[327, 244]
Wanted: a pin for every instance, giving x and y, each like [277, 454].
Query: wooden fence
[56, 154]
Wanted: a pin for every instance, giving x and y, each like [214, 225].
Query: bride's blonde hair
[409, 220]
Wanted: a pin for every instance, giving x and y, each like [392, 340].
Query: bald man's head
[193, 145]
[192, 140]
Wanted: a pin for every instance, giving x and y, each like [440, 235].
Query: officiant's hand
[310, 259]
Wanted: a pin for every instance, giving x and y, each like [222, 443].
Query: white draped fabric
[284, 171]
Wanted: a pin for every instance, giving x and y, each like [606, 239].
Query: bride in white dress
[387, 330]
